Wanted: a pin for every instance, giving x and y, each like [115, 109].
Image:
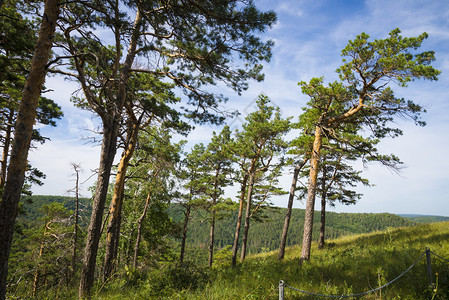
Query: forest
[165, 205]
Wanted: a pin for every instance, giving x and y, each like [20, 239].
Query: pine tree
[364, 90]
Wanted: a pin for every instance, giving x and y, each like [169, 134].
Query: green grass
[347, 265]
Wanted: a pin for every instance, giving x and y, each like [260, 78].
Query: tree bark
[6, 146]
[111, 125]
[41, 251]
[212, 222]
[22, 137]
[184, 233]
[115, 212]
[108, 151]
[75, 228]
[139, 229]
[323, 211]
[311, 191]
[288, 214]
[323, 222]
[239, 221]
[249, 196]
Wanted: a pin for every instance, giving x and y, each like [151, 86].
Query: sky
[308, 36]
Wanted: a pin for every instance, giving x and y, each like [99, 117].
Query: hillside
[353, 264]
[264, 236]
[424, 218]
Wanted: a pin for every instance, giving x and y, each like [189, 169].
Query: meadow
[348, 265]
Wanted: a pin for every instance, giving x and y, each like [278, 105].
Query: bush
[177, 277]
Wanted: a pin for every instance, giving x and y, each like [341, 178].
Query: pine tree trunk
[22, 137]
[212, 223]
[323, 210]
[323, 222]
[111, 125]
[75, 228]
[247, 215]
[108, 150]
[41, 251]
[311, 191]
[288, 214]
[139, 229]
[6, 147]
[239, 221]
[211, 239]
[184, 234]
[115, 212]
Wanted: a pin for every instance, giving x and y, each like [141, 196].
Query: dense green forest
[263, 236]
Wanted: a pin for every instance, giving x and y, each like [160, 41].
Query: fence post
[281, 290]
[429, 267]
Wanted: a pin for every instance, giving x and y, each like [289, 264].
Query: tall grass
[348, 265]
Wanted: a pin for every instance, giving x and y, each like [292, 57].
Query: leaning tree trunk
[288, 214]
[108, 150]
[184, 233]
[247, 215]
[311, 191]
[115, 212]
[110, 132]
[139, 229]
[239, 221]
[22, 138]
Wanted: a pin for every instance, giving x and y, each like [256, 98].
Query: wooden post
[281, 290]
[429, 267]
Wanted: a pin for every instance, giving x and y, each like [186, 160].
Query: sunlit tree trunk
[22, 137]
[115, 212]
[311, 191]
[239, 221]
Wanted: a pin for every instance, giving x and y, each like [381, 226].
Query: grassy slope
[349, 265]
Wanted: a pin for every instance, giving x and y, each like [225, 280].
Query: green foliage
[43, 250]
[175, 278]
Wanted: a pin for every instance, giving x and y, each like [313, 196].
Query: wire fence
[427, 252]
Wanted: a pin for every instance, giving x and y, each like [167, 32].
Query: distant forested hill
[265, 235]
[424, 218]
[30, 206]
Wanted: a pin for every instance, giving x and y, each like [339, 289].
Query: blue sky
[309, 36]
